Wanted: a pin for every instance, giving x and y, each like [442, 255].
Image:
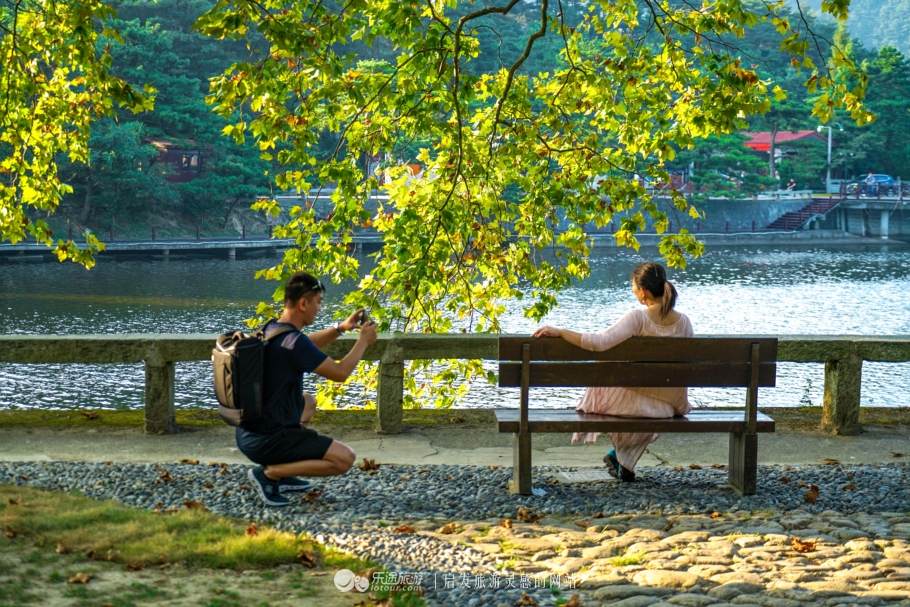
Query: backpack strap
[276, 333]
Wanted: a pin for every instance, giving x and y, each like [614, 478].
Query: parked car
[885, 185]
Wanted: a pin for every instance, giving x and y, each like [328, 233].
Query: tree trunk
[230, 210]
[772, 167]
[87, 203]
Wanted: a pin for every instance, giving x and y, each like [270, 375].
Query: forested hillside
[877, 23]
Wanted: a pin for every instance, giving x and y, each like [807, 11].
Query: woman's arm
[628, 326]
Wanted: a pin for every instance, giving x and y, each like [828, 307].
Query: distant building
[184, 163]
[761, 142]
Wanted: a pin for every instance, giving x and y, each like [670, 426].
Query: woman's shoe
[626, 475]
[612, 463]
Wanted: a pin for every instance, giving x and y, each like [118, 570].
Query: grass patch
[124, 535]
[627, 559]
[138, 536]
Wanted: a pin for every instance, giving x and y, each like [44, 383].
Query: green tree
[723, 167]
[120, 175]
[55, 83]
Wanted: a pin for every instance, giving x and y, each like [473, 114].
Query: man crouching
[281, 442]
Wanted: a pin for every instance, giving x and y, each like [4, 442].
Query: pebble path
[679, 536]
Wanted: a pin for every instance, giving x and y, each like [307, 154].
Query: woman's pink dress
[633, 402]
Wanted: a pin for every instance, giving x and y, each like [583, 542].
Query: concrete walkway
[460, 445]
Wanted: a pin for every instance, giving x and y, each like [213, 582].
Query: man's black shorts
[283, 447]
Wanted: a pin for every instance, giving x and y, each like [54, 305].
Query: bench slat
[645, 349]
[548, 420]
[637, 375]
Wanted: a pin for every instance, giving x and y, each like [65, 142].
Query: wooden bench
[646, 362]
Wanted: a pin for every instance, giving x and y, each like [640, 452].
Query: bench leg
[744, 462]
[521, 464]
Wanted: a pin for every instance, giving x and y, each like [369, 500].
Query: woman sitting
[658, 318]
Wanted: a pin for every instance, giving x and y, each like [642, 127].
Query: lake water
[758, 290]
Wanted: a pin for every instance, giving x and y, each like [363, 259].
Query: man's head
[302, 298]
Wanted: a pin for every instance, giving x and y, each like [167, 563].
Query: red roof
[762, 141]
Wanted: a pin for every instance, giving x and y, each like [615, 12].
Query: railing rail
[843, 356]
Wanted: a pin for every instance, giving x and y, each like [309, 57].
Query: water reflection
[854, 290]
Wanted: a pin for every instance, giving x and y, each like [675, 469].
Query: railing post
[389, 393]
[159, 398]
[843, 379]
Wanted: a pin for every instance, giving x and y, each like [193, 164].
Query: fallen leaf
[447, 529]
[306, 559]
[107, 605]
[830, 462]
[191, 462]
[802, 484]
[311, 496]
[244, 486]
[209, 486]
[318, 573]
[525, 600]
[166, 477]
[811, 495]
[669, 525]
[16, 502]
[582, 524]
[112, 554]
[719, 466]
[716, 515]
[423, 470]
[214, 464]
[802, 546]
[896, 454]
[494, 467]
[61, 548]
[226, 494]
[457, 420]
[678, 468]
[785, 479]
[80, 578]
[195, 505]
[251, 530]
[850, 487]
[91, 554]
[90, 414]
[24, 477]
[368, 464]
[598, 515]
[575, 601]
[134, 567]
[224, 469]
[507, 523]
[404, 529]
[694, 466]
[10, 532]
[526, 516]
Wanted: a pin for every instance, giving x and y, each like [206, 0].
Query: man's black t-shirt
[286, 359]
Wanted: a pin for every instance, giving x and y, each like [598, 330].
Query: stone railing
[843, 357]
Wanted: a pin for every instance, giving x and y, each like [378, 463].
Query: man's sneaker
[292, 483]
[268, 489]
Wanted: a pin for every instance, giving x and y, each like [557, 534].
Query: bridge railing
[843, 356]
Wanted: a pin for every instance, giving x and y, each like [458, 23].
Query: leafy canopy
[515, 161]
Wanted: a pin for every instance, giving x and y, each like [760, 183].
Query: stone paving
[741, 558]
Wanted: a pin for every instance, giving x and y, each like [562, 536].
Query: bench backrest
[640, 362]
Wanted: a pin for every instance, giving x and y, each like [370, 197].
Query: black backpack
[237, 360]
